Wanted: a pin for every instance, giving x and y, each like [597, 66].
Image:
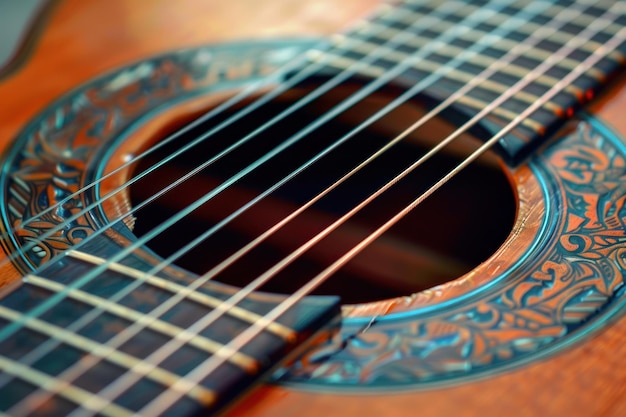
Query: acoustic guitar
[314, 208]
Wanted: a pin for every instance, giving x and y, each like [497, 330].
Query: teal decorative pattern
[59, 152]
[567, 286]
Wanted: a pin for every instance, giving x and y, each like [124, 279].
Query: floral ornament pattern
[565, 287]
[568, 284]
[57, 153]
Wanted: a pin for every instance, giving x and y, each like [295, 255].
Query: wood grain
[586, 379]
[79, 40]
[85, 38]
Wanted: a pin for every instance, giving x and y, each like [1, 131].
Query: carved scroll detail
[567, 284]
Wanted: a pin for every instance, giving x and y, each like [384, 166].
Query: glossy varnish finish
[83, 39]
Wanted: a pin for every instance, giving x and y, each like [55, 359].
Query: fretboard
[114, 338]
[494, 60]
[109, 338]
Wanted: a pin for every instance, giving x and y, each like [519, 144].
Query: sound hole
[446, 236]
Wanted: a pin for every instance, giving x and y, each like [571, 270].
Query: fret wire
[456, 73]
[499, 16]
[269, 317]
[318, 279]
[530, 27]
[501, 112]
[78, 396]
[514, 69]
[116, 385]
[138, 242]
[201, 298]
[99, 351]
[482, 60]
[167, 329]
[389, 12]
[611, 28]
[566, 62]
[472, 102]
[409, 16]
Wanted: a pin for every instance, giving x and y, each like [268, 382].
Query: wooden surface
[77, 40]
[84, 38]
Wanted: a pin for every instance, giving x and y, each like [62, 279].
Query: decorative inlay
[566, 285]
[57, 153]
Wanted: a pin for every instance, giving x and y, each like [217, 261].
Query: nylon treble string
[53, 300]
[167, 398]
[515, 89]
[402, 99]
[283, 85]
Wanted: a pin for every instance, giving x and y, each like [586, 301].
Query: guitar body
[568, 231]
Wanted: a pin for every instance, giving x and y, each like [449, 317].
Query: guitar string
[504, 60]
[344, 75]
[97, 202]
[123, 187]
[292, 81]
[167, 398]
[143, 239]
[410, 93]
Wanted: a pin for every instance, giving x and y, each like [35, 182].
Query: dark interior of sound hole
[450, 233]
